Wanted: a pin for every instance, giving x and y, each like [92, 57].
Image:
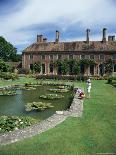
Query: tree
[108, 66]
[4, 67]
[7, 51]
[65, 66]
[37, 67]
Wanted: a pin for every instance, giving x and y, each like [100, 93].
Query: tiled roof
[72, 46]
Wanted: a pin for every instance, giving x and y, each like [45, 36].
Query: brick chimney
[39, 38]
[109, 38]
[113, 38]
[87, 35]
[44, 40]
[104, 35]
[57, 36]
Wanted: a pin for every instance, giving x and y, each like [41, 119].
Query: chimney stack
[57, 36]
[44, 40]
[109, 38]
[87, 35]
[104, 35]
[40, 38]
[113, 38]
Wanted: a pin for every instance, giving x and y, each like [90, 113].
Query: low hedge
[8, 76]
[62, 77]
[71, 77]
[111, 80]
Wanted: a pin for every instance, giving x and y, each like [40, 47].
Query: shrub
[8, 76]
[23, 71]
[10, 123]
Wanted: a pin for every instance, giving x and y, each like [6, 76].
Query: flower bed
[40, 106]
[10, 123]
[51, 96]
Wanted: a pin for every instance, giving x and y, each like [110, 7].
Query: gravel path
[75, 110]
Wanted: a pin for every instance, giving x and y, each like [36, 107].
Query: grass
[93, 133]
[21, 80]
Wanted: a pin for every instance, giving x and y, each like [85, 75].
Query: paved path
[75, 110]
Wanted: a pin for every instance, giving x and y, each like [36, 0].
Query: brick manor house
[49, 52]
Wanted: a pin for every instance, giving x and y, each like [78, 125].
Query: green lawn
[94, 133]
[21, 80]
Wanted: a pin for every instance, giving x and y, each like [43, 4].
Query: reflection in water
[15, 105]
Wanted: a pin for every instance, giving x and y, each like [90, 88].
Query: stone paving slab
[76, 110]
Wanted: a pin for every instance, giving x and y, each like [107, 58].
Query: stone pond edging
[75, 110]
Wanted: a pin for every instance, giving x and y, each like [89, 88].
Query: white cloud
[90, 13]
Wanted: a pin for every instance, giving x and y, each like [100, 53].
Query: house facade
[49, 52]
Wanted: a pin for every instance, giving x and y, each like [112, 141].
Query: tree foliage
[37, 67]
[4, 67]
[70, 66]
[108, 66]
[7, 51]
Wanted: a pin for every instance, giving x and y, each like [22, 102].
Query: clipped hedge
[62, 77]
[112, 80]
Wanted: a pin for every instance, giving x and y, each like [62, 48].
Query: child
[81, 94]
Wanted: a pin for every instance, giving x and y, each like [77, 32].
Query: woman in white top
[88, 87]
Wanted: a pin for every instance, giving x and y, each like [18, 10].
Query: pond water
[15, 105]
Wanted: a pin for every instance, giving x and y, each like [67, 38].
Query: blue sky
[22, 20]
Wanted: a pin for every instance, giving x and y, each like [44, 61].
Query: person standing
[88, 87]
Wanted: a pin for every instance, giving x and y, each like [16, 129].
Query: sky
[22, 20]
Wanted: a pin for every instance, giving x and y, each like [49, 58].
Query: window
[92, 69]
[70, 56]
[82, 56]
[101, 56]
[43, 68]
[114, 56]
[59, 56]
[55, 56]
[87, 56]
[31, 56]
[43, 57]
[51, 68]
[91, 56]
[115, 68]
[31, 66]
[51, 57]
